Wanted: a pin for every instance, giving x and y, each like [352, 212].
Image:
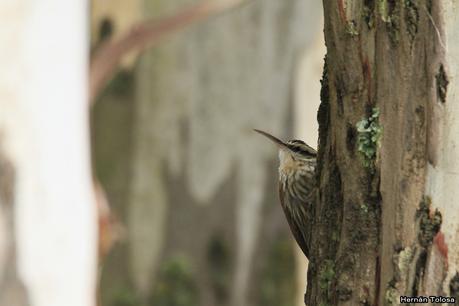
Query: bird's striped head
[300, 148]
[291, 151]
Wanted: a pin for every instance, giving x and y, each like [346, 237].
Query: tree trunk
[48, 247]
[384, 202]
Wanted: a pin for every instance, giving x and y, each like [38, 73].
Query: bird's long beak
[276, 140]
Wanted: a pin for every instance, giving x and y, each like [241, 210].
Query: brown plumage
[297, 186]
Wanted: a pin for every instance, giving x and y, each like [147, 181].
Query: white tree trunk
[44, 135]
[443, 178]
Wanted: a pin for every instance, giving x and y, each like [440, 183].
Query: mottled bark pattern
[383, 54]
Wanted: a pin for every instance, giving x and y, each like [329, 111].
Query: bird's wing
[295, 227]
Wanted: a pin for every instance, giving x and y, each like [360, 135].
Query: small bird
[297, 186]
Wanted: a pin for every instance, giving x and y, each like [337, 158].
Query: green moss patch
[369, 136]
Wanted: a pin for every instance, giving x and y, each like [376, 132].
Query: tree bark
[378, 234]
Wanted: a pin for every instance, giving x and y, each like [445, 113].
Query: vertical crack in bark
[393, 21]
[442, 84]
[428, 224]
[369, 13]
[351, 138]
[377, 281]
[411, 18]
[419, 269]
[339, 86]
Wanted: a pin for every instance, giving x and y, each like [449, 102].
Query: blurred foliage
[219, 260]
[112, 128]
[105, 29]
[175, 285]
[277, 287]
[122, 84]
[126, 298]
[112, 120]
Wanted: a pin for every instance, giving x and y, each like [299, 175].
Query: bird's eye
[298, 149]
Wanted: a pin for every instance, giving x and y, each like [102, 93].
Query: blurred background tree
[195, 189]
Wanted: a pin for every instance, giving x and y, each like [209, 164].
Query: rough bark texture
[374, 227]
